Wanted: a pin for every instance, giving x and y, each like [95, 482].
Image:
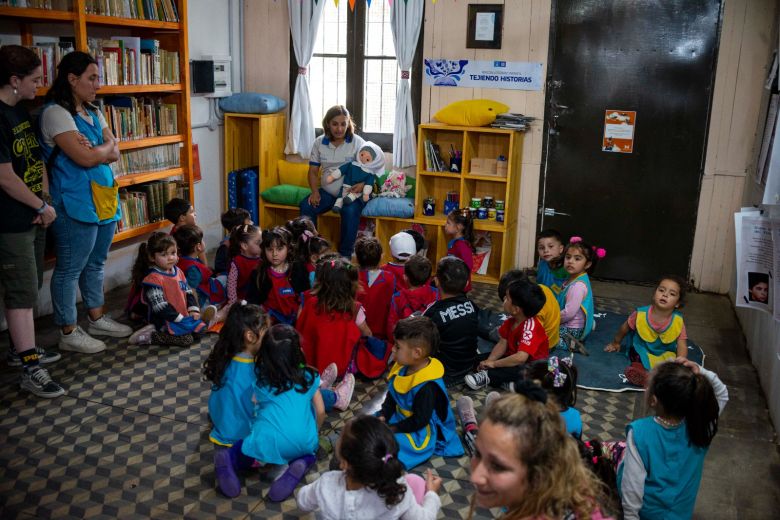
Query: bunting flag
[351, 5]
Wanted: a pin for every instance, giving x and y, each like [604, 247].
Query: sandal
[284, 486]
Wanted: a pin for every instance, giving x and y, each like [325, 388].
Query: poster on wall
[512, 75]
[756, 238]
[618, 131]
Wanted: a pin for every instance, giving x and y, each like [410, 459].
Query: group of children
[298, 317]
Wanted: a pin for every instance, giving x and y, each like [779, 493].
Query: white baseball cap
[402, 245]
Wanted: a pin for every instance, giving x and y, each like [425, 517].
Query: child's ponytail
[371, 453]
[141, 266]
[703, 412]
[238, 235]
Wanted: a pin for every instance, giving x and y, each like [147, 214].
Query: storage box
[483, 166]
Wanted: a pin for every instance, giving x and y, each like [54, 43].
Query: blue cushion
[252, 103]
[389, 207]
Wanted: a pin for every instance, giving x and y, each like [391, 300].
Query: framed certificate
[484, 26]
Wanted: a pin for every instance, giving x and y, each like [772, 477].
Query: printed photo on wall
[757, 252]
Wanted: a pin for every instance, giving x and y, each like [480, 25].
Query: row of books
[160, 10]
[152, 159]
[144, 204]
[433, 159]
[131, 117]
[59, 5]
[131, 60]
[50, 54]
[512, 121]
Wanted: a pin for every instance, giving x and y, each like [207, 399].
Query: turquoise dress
[586, 305]
[70, 182]
[439, 437]
[654, 346]
[552, 279]
[285, 425]
[674, 468]
[230, 406]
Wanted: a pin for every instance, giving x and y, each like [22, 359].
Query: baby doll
[370, 163]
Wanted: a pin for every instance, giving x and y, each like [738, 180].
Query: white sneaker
[105, 326]
[80, 341]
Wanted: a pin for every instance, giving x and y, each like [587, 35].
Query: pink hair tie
[600, 252]
[306, 235]
[595, 460]
[387, 457]
[575, 239]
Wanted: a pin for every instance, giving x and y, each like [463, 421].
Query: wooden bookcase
[172, 36]
[474, 142]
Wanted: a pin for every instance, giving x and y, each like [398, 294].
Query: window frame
[356, 23]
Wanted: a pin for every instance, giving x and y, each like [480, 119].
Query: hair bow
[575, 239]
[600, 252]
[306, 235]
[558, 377]
[387, 457]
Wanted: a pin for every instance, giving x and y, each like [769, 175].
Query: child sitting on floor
[417, 406]
[657, 331]
[419, 295]
[523, 338]
[402, 247]
[371, 480]
[661, 470]
[180, 212]
[456, 318]
[576, 296]
[459, 227]
[288, 414]
[550, 315]
[230, 219]
[244, 259]
[173, 310]
[209, 290]
[558, 376]
[376, 286]
[309, 246]
[550, 271]
[331, 321]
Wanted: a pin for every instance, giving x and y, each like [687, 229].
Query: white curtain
[304, 23]
[405, 20]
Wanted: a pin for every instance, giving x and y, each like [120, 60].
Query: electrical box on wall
[211, 76]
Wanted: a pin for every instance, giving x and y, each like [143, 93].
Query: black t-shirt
[456, 319]
[19, 146]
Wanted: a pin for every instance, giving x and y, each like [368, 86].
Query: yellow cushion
[471, 112]
[296, 174]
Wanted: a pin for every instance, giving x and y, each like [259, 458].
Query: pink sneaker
[328, 376]
[142, 336]
[344, 391]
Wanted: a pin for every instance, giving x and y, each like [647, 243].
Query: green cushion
[286, 194]
[411, 181]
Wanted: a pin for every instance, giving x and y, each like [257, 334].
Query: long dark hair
[462, 217]
[685, 395]
[18, 61]
[336, 284]
[231, 340]
[370, 449]
[60, 92]
[157, 243]
[280, 363]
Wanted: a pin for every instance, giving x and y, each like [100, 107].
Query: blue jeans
[328, 398]
[350, 218]
[81, 251]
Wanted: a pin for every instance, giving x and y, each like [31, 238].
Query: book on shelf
[128, 60]
[433, 160]
[144, 203]
[159, 10]
[50, 54]
[513, 121]
[136, 117]
[152, 159]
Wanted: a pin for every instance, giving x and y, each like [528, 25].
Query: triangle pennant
[351, 5]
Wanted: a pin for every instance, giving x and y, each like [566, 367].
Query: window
[354, 65]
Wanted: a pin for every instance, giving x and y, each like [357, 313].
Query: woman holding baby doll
[337, 146]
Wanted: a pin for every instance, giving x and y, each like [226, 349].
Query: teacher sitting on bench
[338, 145]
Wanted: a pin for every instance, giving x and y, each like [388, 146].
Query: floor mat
[601, 370]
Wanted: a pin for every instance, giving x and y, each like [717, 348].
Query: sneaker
[80, 341]
[636, 374]
[142, 336]
[492, 396]
[38, 381]
[105, 326]
[465, 408]
[225, 471]
[44, 358]
[161, 338]
[477, 380]
[328, 376]
[344, 391]
[208, 314]
[509, 387]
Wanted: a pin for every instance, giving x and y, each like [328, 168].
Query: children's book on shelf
[131, 60]
[160, 10]
[139, 117]
[50, 54]
[144, 203]
[154, 158]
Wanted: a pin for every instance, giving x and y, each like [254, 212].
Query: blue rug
[604, 370]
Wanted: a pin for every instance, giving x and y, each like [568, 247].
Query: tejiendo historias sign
[515, 75]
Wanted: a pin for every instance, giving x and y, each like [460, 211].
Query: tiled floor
[130, 437]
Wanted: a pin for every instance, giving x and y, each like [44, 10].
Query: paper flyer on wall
[756, 261]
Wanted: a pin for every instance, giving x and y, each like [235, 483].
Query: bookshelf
[473, 142]
[82, 21]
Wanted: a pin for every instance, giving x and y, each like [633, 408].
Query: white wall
[209, 33]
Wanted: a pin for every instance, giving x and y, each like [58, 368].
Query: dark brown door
[657, 58]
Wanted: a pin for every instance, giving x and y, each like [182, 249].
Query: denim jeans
[328, 398]
[350, 218]
[81, 250]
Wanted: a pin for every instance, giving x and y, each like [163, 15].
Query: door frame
[546, 125]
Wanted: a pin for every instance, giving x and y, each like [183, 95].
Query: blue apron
[587, 303]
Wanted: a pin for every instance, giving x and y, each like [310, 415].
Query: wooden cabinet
[80, 25]
[487, 144]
